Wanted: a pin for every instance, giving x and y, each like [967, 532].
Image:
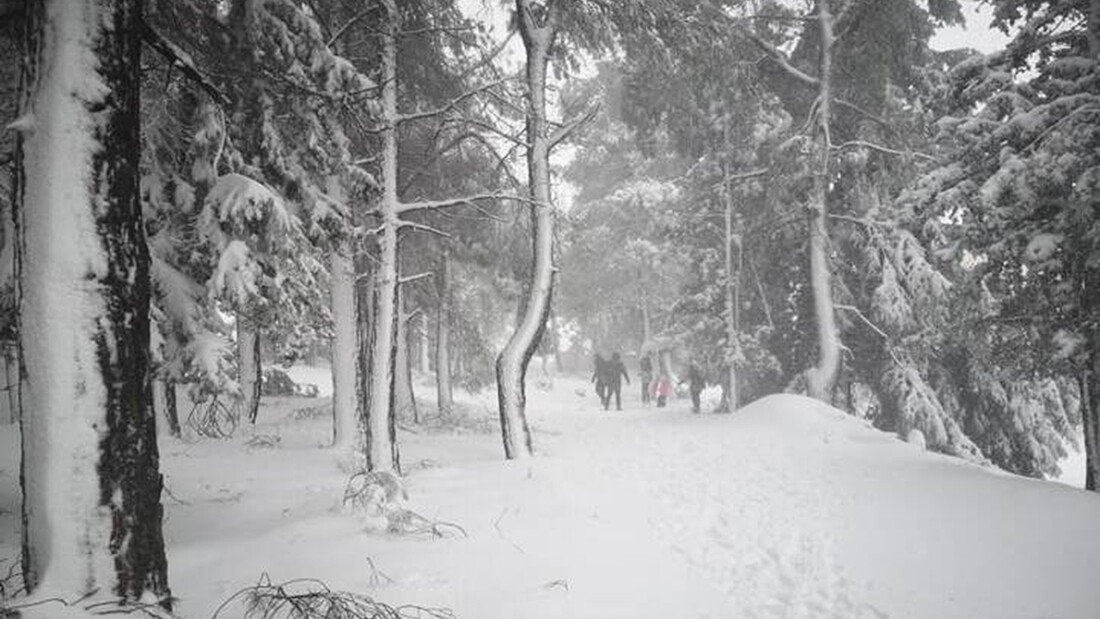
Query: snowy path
[742, 511]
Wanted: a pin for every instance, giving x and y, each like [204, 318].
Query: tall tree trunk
[381, 449]
[90, 469]
[729, 394]
[171, 408]
[364, 338]
[404, 398]
[822, 377]
[249, 366]
[511, 367]
[1090, 415]
[423, 347]
[443, 387]
[344, 344]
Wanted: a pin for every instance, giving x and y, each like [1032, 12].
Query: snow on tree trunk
[821, 378]
[444, 392]
[511, 367]
[423, 347]
[364, 325]
[729, 394]
[90, 469]
[344, 342]
[249, 366]
[381, 448]
[404, 399]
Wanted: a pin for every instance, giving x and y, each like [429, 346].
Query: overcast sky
[976, 34]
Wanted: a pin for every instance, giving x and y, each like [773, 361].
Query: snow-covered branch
[406, 207]
[426, 228]
[412, 278]
[883, 149]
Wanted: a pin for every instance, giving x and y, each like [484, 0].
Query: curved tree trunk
[511, 367]
[344, 343]
[822, 377]
[90, 469]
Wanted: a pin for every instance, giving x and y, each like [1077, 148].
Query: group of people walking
[609, 374]
[608, 377]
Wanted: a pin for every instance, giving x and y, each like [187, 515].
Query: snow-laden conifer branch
[408, 279]
[432, 30]
[181, 60]
[422, 205]
[425, 228]
[883, 149]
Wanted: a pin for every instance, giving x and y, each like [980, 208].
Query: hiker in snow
[661, 389]
[615, 372]
[599, 377]
[695, 382]
[645, 372]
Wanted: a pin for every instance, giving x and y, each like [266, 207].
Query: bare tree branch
[348, 24]
[181, 60]
[567, 129]
[451, 104]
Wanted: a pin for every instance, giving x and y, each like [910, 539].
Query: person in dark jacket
[616, 371]
[599, 375]
[696, 383]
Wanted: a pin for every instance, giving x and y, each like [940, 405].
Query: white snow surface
[785, 509]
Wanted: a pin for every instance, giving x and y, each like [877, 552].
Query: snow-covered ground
[786, 509]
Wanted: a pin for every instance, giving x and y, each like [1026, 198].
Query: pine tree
[91, 483]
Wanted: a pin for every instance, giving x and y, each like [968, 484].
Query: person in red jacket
[661, 389]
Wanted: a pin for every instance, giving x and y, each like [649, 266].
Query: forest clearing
[789, 509]
[383, 309]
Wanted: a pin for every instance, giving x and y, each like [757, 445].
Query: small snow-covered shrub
[916, 437]
[378, 497]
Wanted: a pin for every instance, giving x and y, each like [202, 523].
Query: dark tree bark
[86, 393]
[171, 409]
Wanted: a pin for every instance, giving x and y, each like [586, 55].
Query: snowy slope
[786, 509]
